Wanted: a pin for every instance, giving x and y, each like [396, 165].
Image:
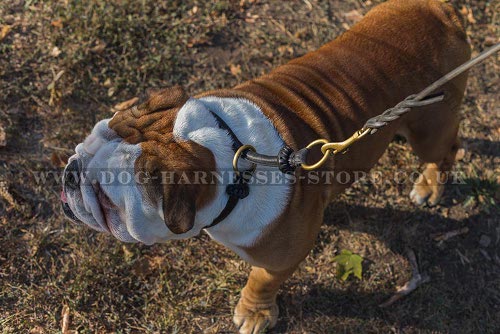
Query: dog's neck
[265, 201]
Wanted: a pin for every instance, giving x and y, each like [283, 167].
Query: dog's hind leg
[429, 186]
[433, 136]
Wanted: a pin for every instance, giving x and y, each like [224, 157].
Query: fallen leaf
[300, 33]
[57, 23]
[471, 18]
[3, 137]
[125, 105]
[467, 12]
[127, 253]
[65, 319]
[141, 267]
[37, 330]
[4, 31]
[283, 49]
[6, 195]
[235, 69]
[55, 52]
[99, 47]
[58, 160]
[353, 16]
[348, 263]
[107, 83]
[490, 40]
[111, 91]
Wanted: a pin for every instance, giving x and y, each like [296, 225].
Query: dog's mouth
[108, 208]
[66, 209]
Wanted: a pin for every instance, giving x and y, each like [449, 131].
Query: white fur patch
[253, 214]
[103, 154]
[107, 159]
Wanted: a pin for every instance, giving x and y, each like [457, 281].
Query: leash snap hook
[322, 160]
[341, 147]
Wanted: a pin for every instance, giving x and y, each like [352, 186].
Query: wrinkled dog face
[115, 181]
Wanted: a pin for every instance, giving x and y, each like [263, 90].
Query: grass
[64, 64]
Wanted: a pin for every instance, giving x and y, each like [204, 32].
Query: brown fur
[151, 124]
[399, 48]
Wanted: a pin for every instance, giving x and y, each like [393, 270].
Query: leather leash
[288, 160]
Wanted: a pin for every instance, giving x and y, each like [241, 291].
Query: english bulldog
[396, 50]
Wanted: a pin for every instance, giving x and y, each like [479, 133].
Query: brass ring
[237, 155]
[322, 160]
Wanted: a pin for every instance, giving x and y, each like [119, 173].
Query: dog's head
[133, 175]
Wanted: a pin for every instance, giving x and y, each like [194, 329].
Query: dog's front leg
[257, 309]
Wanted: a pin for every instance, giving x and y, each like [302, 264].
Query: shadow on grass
[462, 296]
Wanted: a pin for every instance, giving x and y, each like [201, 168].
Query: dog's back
[400, 47]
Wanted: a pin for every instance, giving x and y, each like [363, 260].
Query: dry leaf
[283, 49]
[353, 16]
[99, 47]
[127, 253]
[57, 23]
[467, 12]
[147, 265]
[300, 33]
[471, 18]
[58, 160]
[6, 195]
[490, 40]
[141, 267]
[111, 91]
[37, 330]
[55, 52]
[251, 18]
[107, 83]
[4, 31]
[235, 69]
[3, 137]
[65, 319]
[125, 105]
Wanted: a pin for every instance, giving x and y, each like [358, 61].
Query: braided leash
[287, 160]
[398, 110]
[419, 100]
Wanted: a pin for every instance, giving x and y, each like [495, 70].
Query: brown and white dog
[399, 48]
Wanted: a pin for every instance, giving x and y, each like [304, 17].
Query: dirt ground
[64, 64]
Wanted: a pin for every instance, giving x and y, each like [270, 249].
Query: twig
[450, 234]
[65, 320]
[416, 280]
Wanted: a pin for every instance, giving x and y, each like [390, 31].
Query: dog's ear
[183, 179]
[156, 112]
[158, 99]
[179, 206]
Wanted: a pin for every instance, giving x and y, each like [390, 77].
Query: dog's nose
[71, 177]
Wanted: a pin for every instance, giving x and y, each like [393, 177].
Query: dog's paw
[254, 319]
[426, 191]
